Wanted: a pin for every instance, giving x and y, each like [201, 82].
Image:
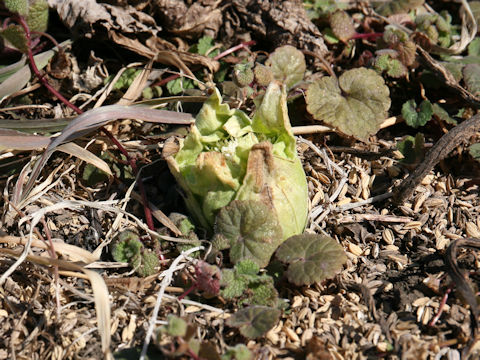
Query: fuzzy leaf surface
[252, 229]
[342, 25]
[254, 321]
[471, 76]
[311, 258]
[287, 64]
[356, 104]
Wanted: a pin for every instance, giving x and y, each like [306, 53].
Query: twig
[437, 152]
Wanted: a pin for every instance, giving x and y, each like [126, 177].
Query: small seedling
[416, 117]
[128, 248]
[247, 286]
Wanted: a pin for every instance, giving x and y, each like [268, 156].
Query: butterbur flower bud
[228, 156]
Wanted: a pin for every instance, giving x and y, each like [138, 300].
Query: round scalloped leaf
[252, 229]
[471, 76]
[416, 118]
[356, 104]
[254, 321]
[311, 258]
[287, 64]
[342, 25]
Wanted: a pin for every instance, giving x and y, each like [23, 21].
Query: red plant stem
[188, 291]
[372, 36]
[440, 307]
[242, 45]
[44, 81]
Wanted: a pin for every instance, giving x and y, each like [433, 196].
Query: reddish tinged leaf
[208, 277]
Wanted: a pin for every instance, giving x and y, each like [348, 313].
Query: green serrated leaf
[239, 352]
[17, 6]
[205, 43]
[263, 292]
[37, 18]
[474, 151]
[234, 286]
[471, 76]
[474, 46]
[416, 118]
[127, 246]
[179, 85]
[16, 36]
[148, 262]
[356, 104]
[247, 267]
[175, 326]
[342, 25]
[393, 67]
[252, 229]
[287, 64]
[311, 258]
[254, 321]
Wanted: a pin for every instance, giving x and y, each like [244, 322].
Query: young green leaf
[287, 64]
[16, 36]
[414, 117]
[179, 85]
[342, 25]
[311, 258]
[127, 246]
[356, 104]
[392, 66]
[254, 321]
[175, 326]
[17, 6]
[37, 18]
[146, 263]
[238, 352]
[245, 284]
[252, 230]
[471, 76]
[474, 151]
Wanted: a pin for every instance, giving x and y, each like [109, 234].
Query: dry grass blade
[167, 279]
[136, 88]
[74, 253]
[16, 140]
[99, 288]
[85, 155]
[95, 118]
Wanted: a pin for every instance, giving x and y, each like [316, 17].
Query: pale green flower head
[228, 156]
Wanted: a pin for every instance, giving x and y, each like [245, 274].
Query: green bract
[228, 156]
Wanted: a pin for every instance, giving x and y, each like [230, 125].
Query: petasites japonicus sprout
[228, 156]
